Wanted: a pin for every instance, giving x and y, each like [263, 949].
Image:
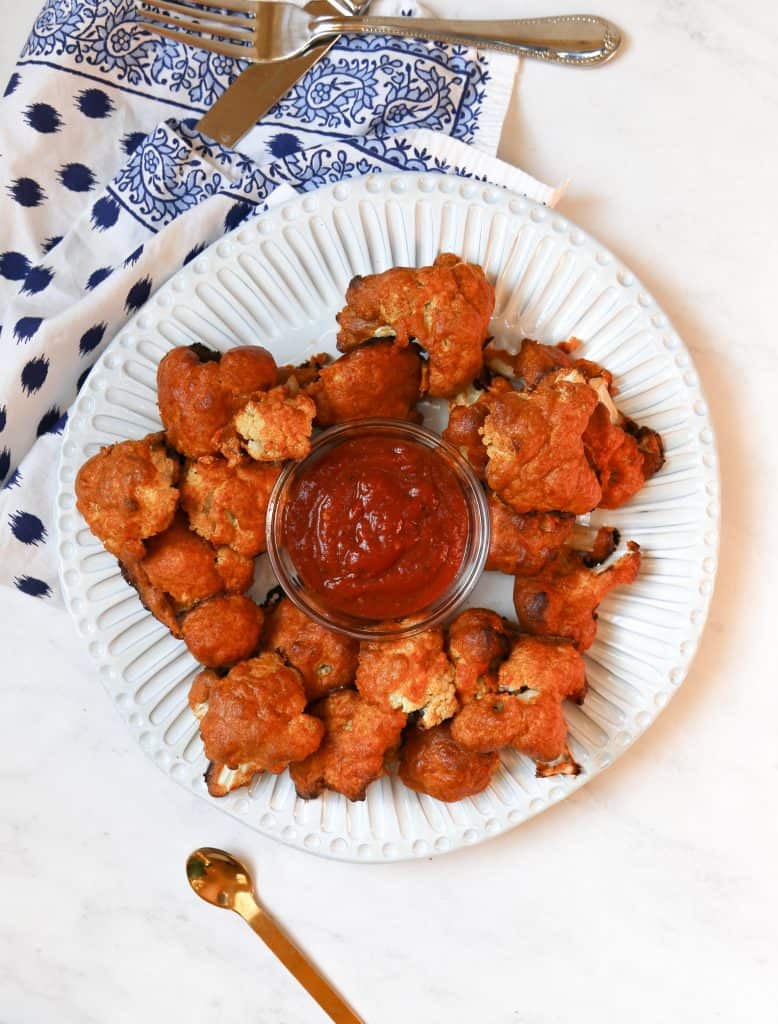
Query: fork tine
[215, 31]
[201, 42]
[152, 6]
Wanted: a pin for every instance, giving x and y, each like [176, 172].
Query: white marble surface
[650, 895]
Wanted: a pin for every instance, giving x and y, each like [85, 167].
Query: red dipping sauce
[377, 527]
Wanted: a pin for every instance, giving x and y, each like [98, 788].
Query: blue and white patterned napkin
[107, 189]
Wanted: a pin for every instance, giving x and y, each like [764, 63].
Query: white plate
[279, 281]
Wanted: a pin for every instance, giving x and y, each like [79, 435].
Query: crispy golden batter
[198, 390]
[521, 544]
[325, 660]
[532, 723]
[160, 604]
[465, 423]
[562, 600]
[432, 762]
[223, 630]
[185, 567]
[478, 642]
[127, 492]
[226, 502]
[412, 674]
[252, 720]
[245, 369]
[277, 424]
[236, 570]
[533, 440]
[623, 454]
[445, 307]
[548, 666]
[220, 779]
[534, 361]
[357, 737]
[304, 373]
[380, 379]
[199, 691]
[526, 713]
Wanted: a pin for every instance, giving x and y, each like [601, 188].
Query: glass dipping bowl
[473, 559]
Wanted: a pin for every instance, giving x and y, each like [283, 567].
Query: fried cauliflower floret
[623, 454]
[226, 502]
[532, 723]
[223, 630]
[160, 604]
[325, 660]
[562, 600]
[478, 642]
[188, 569]
[277, 424]
[537, 461]
[446, 308]
[526, 712]
[521, 544]
[198, 391]
[304, 373]
[529, 365]
[409, 674]
[357, 738]
[465, 423]
[432, 762]
[220, 779]
[127, 492]
[534, 361]
[236, 570]
[380, 379]
[548, 666]
[252, 720]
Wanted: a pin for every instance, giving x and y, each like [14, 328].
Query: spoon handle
[298, 964]
[581, 40]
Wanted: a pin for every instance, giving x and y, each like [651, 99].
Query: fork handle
[582, 40]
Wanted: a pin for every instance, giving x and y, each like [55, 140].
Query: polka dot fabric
[107, 189]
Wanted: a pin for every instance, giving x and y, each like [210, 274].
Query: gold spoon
[219, 878]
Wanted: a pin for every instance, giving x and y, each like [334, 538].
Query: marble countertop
[649, 895]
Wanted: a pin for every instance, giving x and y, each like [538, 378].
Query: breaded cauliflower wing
[223, 630]
[180, 569]
[526, 712]
[379, 379]
[534, 361]
[127, 492]
[199, 389]
[253, 720]
[537, 461]
[409, 674]
[432, 762]
[478, 642]
[521, 544]
[326, 660]
[276, 425]
[357, 738]
[562, 600]
[465, 423]
[446, 308]
[623, 454]
[226, 502]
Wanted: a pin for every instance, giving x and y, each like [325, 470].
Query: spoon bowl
[217, 877]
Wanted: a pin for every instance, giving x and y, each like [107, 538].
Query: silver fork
[265, 31]
[260, 86]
